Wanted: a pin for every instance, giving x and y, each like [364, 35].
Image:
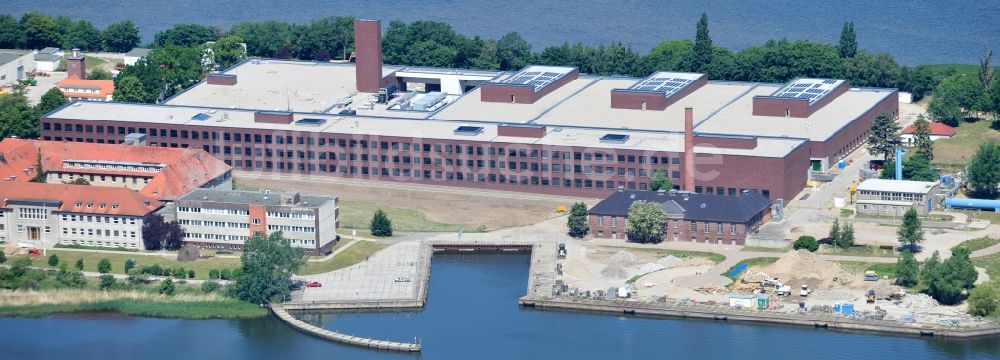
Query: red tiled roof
[937, 129]
[186, 168]
[81, 198]
[107, 87]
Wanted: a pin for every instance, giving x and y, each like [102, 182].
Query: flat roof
[277, 84]
[738, 118]
[809, 89]
[407, 128]
[255, 198]
[471, 107]
[7, 56]
[592, 107]
[903, 186]
[665, 82]
[537, 76]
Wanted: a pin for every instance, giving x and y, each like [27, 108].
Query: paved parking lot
[374, 278]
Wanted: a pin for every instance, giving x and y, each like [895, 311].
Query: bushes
[104, 266]
[167, 287]
[806, 242]
[226, 274]
[53, 260]
[213, 274]
[107, 282]
[907, 270]
[985, 299]
[210, 286]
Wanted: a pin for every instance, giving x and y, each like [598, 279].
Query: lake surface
[471, 313]
[916, 31]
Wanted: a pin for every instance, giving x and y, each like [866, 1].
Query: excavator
[871, 296]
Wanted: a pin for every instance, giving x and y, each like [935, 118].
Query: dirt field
[438, 204]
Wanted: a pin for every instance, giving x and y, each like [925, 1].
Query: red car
[314, 284]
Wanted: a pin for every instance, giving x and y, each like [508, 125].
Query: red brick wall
[221, 79]
[602, 229]
[75, 68]
[521, 131]
[728, 142]
[368, 55]
[854, 134]
[258, 212]
[628, 99]
[495, 92]
[798, 108]
[272, 117]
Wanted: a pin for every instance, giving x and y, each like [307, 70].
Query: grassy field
[357, 215]
[128, 302]
[954, 153]
[90, 260]
[714, 257]
[939, 71]
[761, 261]
[350, 256]
[991, 216]
[92, 62]
[991, 263]
[859, 267]
[977, 244]
[766, 249]
[858, 250]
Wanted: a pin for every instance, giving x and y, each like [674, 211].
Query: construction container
[836, 308]
[743, 301]
[847, 309]
[762, 302]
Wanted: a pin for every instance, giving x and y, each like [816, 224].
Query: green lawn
[991, 216]
[714, 257]
[858, 250]
[352, 255]
[954, 153]
[765, 249]
[92, 62]
[991, 263]
[761, 261]
[859, 267]
[90, 260]
[939, 71]
[977, 244]
[357, 215]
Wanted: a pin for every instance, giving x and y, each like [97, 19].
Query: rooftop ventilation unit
[310, 122]
[614, 138]
[469, 130]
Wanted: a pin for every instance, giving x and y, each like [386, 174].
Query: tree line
[36, 30]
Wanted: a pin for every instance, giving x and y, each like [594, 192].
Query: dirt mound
[614, 272]
[669, 261]
[651, 267]
[798, 267]
[624, 257]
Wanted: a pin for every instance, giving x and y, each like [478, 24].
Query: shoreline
[47, 303]
[725, 313]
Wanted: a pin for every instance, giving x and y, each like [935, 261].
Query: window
[718, 228]
[732, 229]
[600, 221]
[613, 221]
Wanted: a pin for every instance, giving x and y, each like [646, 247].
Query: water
[916, 31]
[471, 313]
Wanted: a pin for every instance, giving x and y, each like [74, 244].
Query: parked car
[314, 284]
[297, 285]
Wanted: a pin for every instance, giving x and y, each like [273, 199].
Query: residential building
[161, 173]
[691, 217]
[544, 129]
[48, 59]
[43, 215]
[131, 57]
[220, 219]
[84, 89]
[938, 131]
[15, 65]
[894, 197]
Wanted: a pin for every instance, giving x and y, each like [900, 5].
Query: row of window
[286, 228]
[292, 215]
[213, 211]
[103, 178]
[33, 213]
[153, 168]
[218, 237]
[96, 232]
[719, 227]
[130, 245]
[218, 224]
[99, 219]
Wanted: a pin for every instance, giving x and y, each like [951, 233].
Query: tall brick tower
[76, 67]
[368, 55]
[689, 149]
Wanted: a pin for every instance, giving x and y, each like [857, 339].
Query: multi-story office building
[42, 215]
[227, 219]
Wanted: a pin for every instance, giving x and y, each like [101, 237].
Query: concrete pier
[302, 326]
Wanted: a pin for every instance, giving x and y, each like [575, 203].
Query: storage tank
[982, 204]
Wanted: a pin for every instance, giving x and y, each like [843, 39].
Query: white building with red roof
[938, 131]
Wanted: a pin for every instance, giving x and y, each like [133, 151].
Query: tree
[172, 239]
[79, 264]
[121, 37]
[228, 51]
[135, 277]
[487, 58]
[848, 45]
[918, 81]
[210, 287]
[910, 232]
[922, 138]
[834, 234]
[70, 278]
[846, 237]
[17, 118]
[10, 32]
[268, 264]
[950, 279]
[264, 38]
[332, 35]
[660, 180]
[99, 74]
[3, 257]
[167, 287]
[154, 230]
[104, 266]
[179, 273]
[178, 66]
[907, 270]
[702, 51]
[577, 223]
[107, 281]
[82, 35]
[39, 30]
[984, 300]
[190, 274]
[53, 260]
[884, 136]
[51, 100]
[983, 172]
[806, 242]
[381, 226]
[915, 168]
[130, 89]
[213, 274]
[671, 55]
[955, 98]
[645, 222]
[513, 52]
[186, 35]
[226, 274]
[129, 264]
[986, 70]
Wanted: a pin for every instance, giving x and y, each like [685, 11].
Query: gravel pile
[614, 272]
[651, 267]
[624, 257]
[669, 261]
[918, 301]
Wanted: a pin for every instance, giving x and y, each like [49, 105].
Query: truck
[561, 253]
[805, 290]
[782, 290]
[871, 276]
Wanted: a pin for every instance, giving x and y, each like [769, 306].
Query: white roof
[885, 202]
[902, 186]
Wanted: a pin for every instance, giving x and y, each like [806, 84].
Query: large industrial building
[543, 129]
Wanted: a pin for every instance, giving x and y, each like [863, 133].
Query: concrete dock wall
[319, 332]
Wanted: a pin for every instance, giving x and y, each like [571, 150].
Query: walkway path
[310, 329]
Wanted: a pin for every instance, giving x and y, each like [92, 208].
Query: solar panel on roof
[807, 89]
[535, 76]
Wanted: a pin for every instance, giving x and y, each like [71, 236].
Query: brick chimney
[368, 55]
[76, 67]
[688, 149]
